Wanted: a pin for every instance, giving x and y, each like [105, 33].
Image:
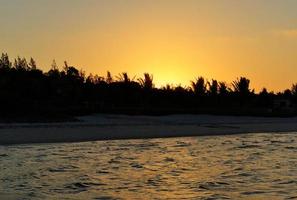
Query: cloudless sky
[176, 40]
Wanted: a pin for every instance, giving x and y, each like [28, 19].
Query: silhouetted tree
[32, 64]
[213, 87]
[168, 88]
[98, 79]
[223, 89]
[147, 81]
[123, 77]
[4, 61]
[263, 92]
[109, 78]
[21, 64]
[199, 86]
[54, 65]
[241, 85]
[26, 89]
[90, 79]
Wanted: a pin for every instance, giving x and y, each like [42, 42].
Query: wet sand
[111, 127]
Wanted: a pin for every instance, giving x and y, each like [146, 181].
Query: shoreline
[114, 127]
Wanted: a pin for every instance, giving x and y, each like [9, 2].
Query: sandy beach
[108, 127]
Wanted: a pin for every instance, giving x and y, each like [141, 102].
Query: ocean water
[247, 166]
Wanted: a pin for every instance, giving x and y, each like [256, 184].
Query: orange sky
[175, 40]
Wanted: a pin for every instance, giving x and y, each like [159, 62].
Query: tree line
[26, 90]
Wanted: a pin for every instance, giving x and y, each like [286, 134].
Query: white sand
[105, 127]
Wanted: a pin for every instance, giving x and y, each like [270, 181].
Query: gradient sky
[176, 40]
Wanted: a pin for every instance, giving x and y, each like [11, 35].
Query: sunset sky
[176, 40]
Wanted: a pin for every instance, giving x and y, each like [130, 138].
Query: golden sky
[175, 40]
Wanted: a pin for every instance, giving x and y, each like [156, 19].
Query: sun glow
[175, 41]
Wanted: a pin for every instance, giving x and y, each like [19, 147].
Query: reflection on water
[252, 166]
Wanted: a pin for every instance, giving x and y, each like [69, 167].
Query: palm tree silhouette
[199, 86]
[26, 89]
[223, 88]
[241, 86]
[124, 77]
[146, 82]
[213, 87]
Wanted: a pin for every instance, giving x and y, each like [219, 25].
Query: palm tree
[54, 65]
[21, 64]
[90, 79]
[167, 88]
[241, 86]
[263, 92]
[147, 82]
[223, 89]
[54, 71]
[109, 78]
[213, 87]
[4, 61]
[98, 79]
[199, 86]
[32, 64]
[123, 77]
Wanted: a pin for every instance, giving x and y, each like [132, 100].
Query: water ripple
[249, 166]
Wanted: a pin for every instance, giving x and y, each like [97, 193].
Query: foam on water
[250, 166]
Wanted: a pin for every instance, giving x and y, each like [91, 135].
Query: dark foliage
[27, 91]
